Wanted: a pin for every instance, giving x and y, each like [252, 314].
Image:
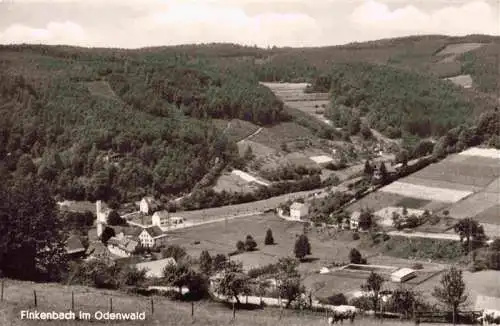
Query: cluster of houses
[127, 239]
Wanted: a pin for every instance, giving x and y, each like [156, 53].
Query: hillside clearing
[101, 88]
[459, 48]
[474, 204]
[425, 192]
[461, 80]
[482, 152]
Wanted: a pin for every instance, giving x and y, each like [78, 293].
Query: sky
[139, 23]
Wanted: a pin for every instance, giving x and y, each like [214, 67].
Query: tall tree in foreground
[290, 286]
[32, 237]
[471, 233]
[233, 282]
[374, 285]
[302, 247]
[451, 292]
[205, 262]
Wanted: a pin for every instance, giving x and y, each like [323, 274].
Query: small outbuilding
[298, 211]
[402, 275]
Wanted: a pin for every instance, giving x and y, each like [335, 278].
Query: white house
[122, 246]
[299, 210]
[160, 219]
[154, 269]
[354, 220]
[148, 205]
[152, 237]
[402, 275]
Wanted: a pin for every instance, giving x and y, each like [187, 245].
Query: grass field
[459, 48]
[222, 238]
[101, 88]
[376, 201]
[283, 133]
[236, 129]
[231, 182]
[425, 192]
[53, 297]
[489, 215]
[475, 204]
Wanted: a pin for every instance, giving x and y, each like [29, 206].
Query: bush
[240, 246]
[362, 303]
[132, 276]
[417, 266]
[174, 251]
[263, 270]
[385, 237]
[355, 256]
[250, 244]
[269, 240]
[355, 236]
[337, 299]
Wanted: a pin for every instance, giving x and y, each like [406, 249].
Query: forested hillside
[396, 101]
[117, 124]
[107, 124]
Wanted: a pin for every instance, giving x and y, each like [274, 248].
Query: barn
[402, 275]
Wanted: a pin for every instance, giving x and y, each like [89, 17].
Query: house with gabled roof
[299, 211]
[122, 246]
[74, 247]
[152, 237]
[149, 205]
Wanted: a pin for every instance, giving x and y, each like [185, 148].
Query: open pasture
[436, 183]
[459, 48]
[236, 129]
[101, 88]
[494, 186]
[482, 152]
[222, 237]
[424, 192]
[490, 215]
[462, 173]
[285, 132]
[258, 150]
[474, 205]
[461, 80]
[231, 182]
[376, 201]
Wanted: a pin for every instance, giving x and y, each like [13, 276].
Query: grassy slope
[54, 297]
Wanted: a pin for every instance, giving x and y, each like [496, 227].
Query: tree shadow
[309, 259]
[243, 306]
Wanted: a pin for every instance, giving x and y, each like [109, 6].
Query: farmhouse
[148, 205]
[98, 250]
[74, 247]
[122, 246]
[160, 218]
[152, 237]
[402, 275]
[154, 269]
[299, 211]
[354, 220]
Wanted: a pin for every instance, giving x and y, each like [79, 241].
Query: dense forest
[104, 124]
[396, 101]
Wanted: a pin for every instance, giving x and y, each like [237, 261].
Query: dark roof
[154, 231]
[74, 245]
